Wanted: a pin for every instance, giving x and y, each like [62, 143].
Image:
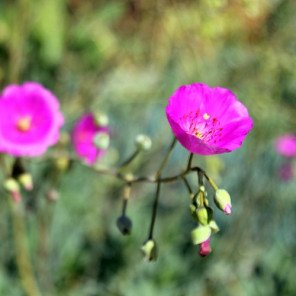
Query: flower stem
[126, 196]
[157, 177]
[166, 158]
[154, 211]
[186, 183]
[190, 161]
[130, 159]
[27, 277]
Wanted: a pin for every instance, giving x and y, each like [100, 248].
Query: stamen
[199, 135]
[24, 123]
[206, 116]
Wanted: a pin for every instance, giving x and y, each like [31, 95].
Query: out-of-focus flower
[90, 140]
[30, 119]
[286, 145]
[286, 172]
[208, 120]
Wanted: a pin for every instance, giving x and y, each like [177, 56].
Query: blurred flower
[90, 140]
[286, 145]
[208, 120]
[30, 119]
[286, 172]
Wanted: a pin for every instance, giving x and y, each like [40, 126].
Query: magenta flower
[90, 139]
[208, 120]
[286, 145]
[30, 119]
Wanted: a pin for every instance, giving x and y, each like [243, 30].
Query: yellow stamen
[24, 123]
[206, 116]
[199, 135]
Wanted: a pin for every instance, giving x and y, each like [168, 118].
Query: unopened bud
[143, 142]
[202, 215]
[214, 227]
[200, 234]
[12, 186]
[129, 177]
[101, 119]
[102, 140]
[124, 224]
[62, 163]
[52, 195]
[149, 250]
[205, 248]
[223, 201]
[26, 180]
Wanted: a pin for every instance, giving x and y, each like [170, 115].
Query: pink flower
[30, 119]
[286, 145]
[205, 248]
[90, 140]
[208, 120]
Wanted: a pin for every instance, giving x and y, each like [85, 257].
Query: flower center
[24, 123]
[203, 126]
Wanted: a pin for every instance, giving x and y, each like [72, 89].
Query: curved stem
[157, 177]
[22, 253]
[130, 159]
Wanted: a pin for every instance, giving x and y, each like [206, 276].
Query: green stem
[22, 252]
[130, 159]
[154, 211]
[157, 177]
[190, 161]
[166, 158]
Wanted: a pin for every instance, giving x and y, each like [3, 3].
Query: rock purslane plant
[204, 120]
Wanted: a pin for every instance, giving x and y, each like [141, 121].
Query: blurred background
[125, 58]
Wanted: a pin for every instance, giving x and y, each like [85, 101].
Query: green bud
[223, 201]
[124, 224]
[143, 142]
[12, 186]
[52, 195]
[101, 119]
[62, 163]
[214, 227]
[101, 140]
[26, 180]
[200, 234]
[202, 215]
[149, 250]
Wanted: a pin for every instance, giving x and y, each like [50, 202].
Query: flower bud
[124, 224]
[52, 195]
[143, 142]
[62, 163]
[26, 181]
[202, 215]
[101, 119]
[12, 186]
[214, 227]
[205, 248]
[200, 234]
[223, 201]
[149, 250]
[101, 140]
